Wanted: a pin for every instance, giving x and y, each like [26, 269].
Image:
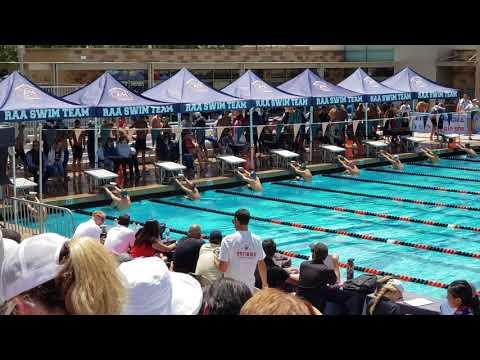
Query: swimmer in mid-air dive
[393, 159]
[252, 180]
[431, 155]
[120, 198]
[350, 166]
[301, 170]
[188, 187]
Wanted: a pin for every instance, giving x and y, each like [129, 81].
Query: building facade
[141, 68]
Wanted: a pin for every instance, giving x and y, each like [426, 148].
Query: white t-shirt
[405, 108]
[464, 105]
[88, 228]
[119, 239]
[242, 250]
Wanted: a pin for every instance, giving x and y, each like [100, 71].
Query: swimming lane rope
[414, 186]
[331, 231]
[383, 197]
[447, 167]
[423, 174]
[353, 211]
[465, 159]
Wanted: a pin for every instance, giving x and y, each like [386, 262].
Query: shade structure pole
[311, 134]
[40, 163]
[252, 145]
[365, 106]
[14, 176]
[95, 141]
[179, 120]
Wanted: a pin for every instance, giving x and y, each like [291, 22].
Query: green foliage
[8, 53]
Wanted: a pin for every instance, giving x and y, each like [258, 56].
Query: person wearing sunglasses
[92, 227]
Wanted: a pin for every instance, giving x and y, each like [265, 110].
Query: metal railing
[31, 218]
[61, 91]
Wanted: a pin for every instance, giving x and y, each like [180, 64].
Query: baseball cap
[31, 263]
[154, 290]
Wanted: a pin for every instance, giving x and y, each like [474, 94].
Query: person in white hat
[154, 290]
[49, 275]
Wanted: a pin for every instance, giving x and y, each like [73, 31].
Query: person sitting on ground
[208, 262]
[225, 296]
[301, 170]
[120, 239]
[49, 275]
[251, 178]
[349, 165]
[318, 283]
[154, 290]
[148, 241]
[189, 188]
[120, 198]
[186, 253]
[462, 298]
[276, 302]
[277, 277]
[430, 154]
[393, 159]
[91, 228]
[38, 213]
[389, 291]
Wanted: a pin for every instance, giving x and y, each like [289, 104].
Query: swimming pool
[388, 257]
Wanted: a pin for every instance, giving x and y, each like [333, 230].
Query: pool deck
[139, 192]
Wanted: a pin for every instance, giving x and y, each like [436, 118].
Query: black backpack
[364, 284]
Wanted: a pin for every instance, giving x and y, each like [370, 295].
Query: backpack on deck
[365, 284]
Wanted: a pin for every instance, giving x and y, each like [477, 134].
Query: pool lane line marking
[292, 254]
[423, 187]
[353, 211]
[466, 159]
[375, 196]
[331, 231]
[373, 271]
[447, 167]
[424, 174]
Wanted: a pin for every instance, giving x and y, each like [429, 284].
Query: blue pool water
[387, 257]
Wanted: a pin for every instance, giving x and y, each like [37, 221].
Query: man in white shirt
[241, 252]
[464, 104]
[120, 238]
[91, 228]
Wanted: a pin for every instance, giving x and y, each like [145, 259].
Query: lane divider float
[447, 167]
[373, 271]
[464, 159]
[414, 186]
[353, 211]
[424, 174]
[383, 197]
[331, 231]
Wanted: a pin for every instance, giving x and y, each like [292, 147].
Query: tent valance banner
[111, 98]
[22, 100]
[410, 81]
[321, 92]
[250, 87]
[193, 95]
[373, 91]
